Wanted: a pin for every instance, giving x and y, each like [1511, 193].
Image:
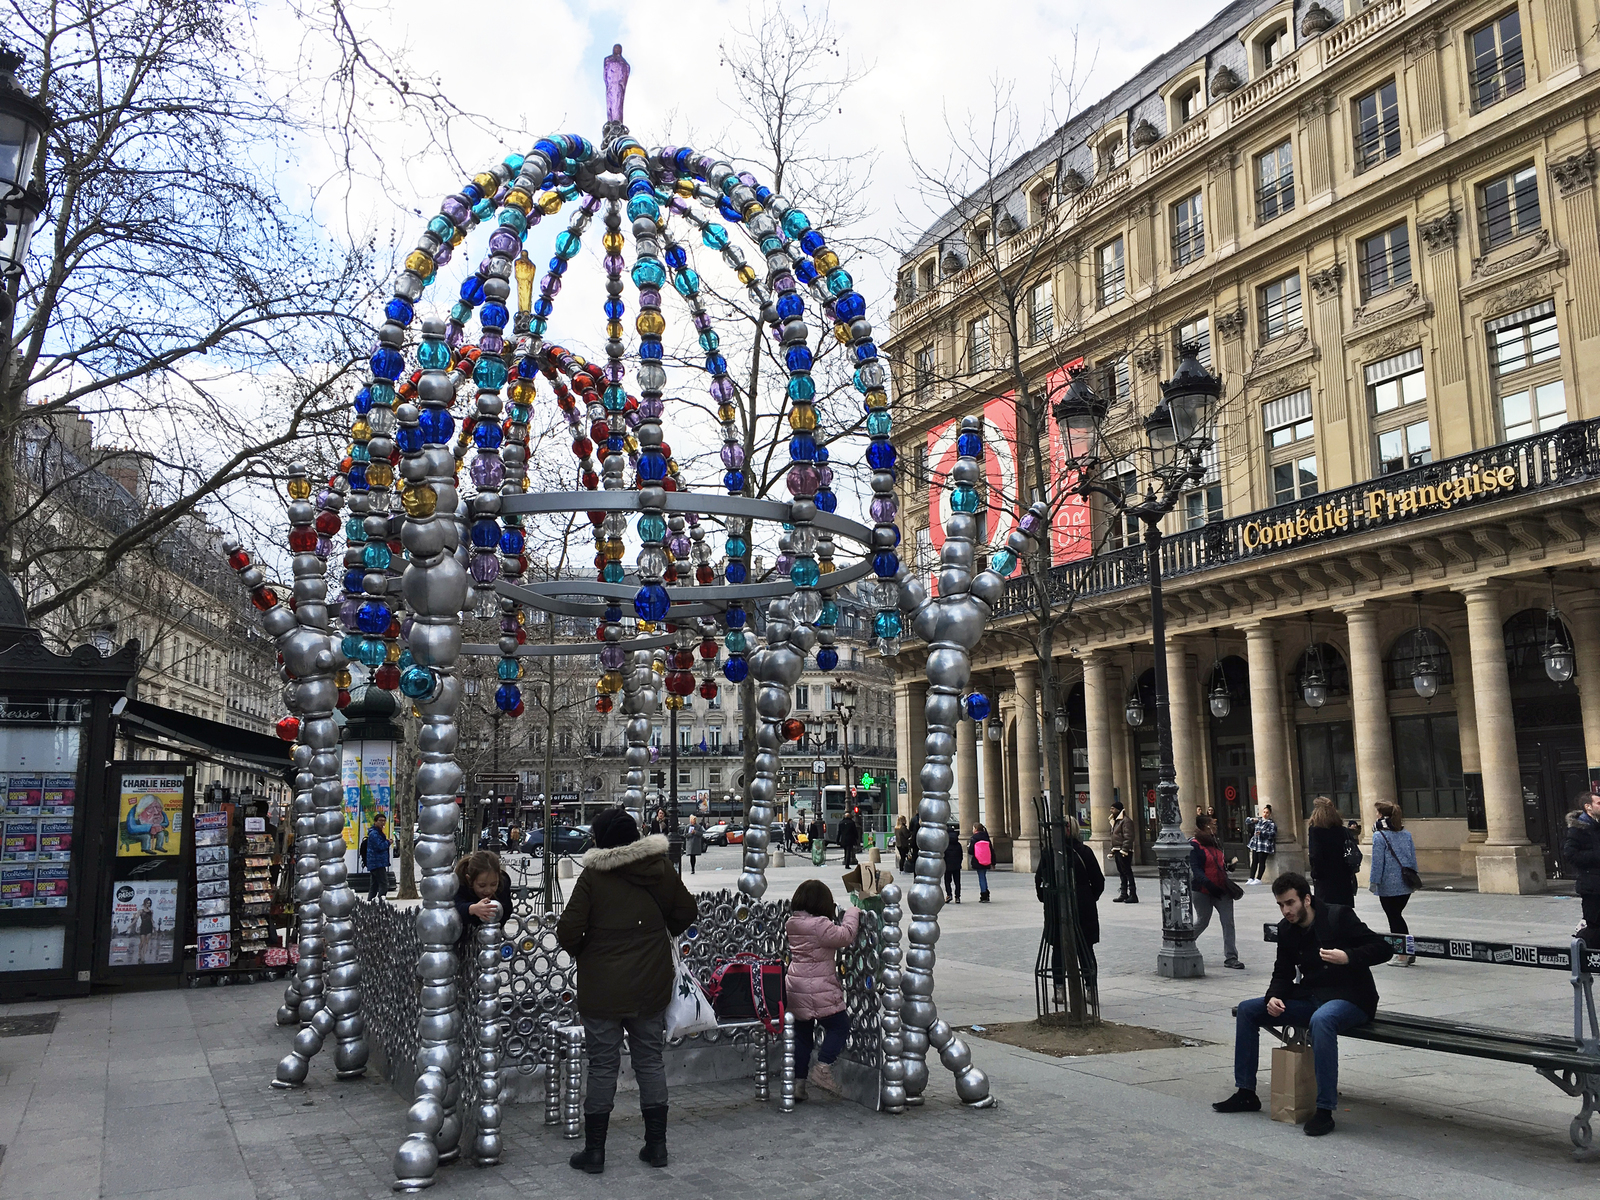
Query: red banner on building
[1071, 528]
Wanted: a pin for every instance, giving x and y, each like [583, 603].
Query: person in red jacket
[814, 991]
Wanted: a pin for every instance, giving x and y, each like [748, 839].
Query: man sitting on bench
[1333, 953]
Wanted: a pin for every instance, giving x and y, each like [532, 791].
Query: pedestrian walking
[982, 851]
[1333, 954]
[1263, 844]
[694, 840]
[902, 844]
[658, 823]
[1393, 855]
[849, 839]
[618, 925]
[1580, 855]
[813, 990]
[790, 837]
[817, 835]
[1211, 889]
[952, 865]
[514, 838]
[1088, 885]
[375, 852]
[1331, 874]
[1122, 839]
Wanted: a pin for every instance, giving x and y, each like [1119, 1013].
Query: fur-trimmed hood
[1578, 817]
[613, 857]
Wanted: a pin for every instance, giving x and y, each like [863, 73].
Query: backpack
[982, 853]
[748, 987]
[1352, 852]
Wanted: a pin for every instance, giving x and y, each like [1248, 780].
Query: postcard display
[233, 902]
[40, 824]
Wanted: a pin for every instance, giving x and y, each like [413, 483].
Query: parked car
[734, 836]
[568, 839]
[717, 834]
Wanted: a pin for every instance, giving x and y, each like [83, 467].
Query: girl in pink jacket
[815, 991]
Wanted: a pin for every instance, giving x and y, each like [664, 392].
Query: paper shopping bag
[1294, 1084]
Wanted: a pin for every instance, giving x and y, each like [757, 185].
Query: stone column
[1025, 850]
[1097, 726]
[1185, 731]
[1369, 710]
[1583, 619]
[967, 774]
[1271, 745]
[1467, 727]
[1507, 863]
[994, 782]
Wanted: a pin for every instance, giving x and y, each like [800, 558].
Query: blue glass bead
[358, 478]
[826, 501]
[733, 481]
[652, 602]
[512, 541]
[965, 499]
[651, 348]
[433, 356]
[709, 341]
[798, 358]
[352, 583]
[812, 241]
[567, 244]
[683, 158]
[543, 306]
[850, 306]
[802, 448]
[486, 435]
[736, 572]
[716, 364]
[1002, 563]
[558, 266]
[805, 272]
[644, 207]
[735, 547]
[486, 533]
[886, 625]
[508, 670]
[879, 423]
[399, 311]
[652, 528]
[652, 467]
[735, 669]
[677, 256]
[350, 646]
[648, 273]
[865, 352]
[409, 438]
[729, 211]
[614, 443]
[372, 616]
[510, 219]
[375, 558]
[614, 310]
[736, 618]
[970, 445]
[829, 616]
[494, 316]
[886, 564]
[548, 148]
[472, 290]
[714, 236]
[611, 572]
[489, 374]
[880, 456]
[363, 401]
[805, 573]
[802, 388]
[417, 682]
[763, 193]
[827, 658]
[387, 363]
[977, 706]
[640, 187]
[613, 614]
[795, 222]
[436, 425]
[471, 192]
[687, 282]
[790, 305]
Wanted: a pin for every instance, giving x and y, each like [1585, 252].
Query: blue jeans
[835, 1028]
[1327, 1022]
[983, 880]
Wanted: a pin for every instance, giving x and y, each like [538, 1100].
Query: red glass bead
[590, 480]
[708, 648]
[708, 690]
[263, 598]
[239, 560]
[344, 698]
[387, 677]
[583, 447]
[703, 574]
[327, 523]
[289, 728]
[302, 539]
[603, 704]
[793, 729]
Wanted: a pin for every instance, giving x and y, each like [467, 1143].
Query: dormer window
[1273, 46]
[1038, 202]
[1109, 154]
[980, 240]
[926, 277]
[1186, 104]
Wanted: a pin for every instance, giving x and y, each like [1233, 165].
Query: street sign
[902, 785]
[496, 779]
[818, 766]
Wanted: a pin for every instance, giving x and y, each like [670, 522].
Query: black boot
[592, 1158]
[655, 1136]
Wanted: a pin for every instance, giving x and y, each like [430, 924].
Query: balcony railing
[1346, 37]
[1566, 455]
[1191, 135]
[1276, 81]
[1493, 79]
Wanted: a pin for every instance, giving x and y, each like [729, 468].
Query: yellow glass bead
[487, 183]
[360, 431]
[674, 702]
[458, 237]
[522, 392]
[610, 683]
[630, 444]
[634, 151]
[612, 242]
[300, 489]
[420, 262]
[647, 626]
[650, 323]
[613, 329]
[419, 501]
[550, 203]
[802, 418]
[746, 274]
[878, 399]
[614, 548]
[342, 679]
[684, 187]
[522, 617]
[727, 414]
[825, 260]
[825, 567]
[415, 711]
[752, 209]
[392, 653]
[380, 475]
[659, 667]
[841, 333]
[525, 271]
[520, 200]
[672, 467]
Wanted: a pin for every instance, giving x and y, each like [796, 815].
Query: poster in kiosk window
[146, 903]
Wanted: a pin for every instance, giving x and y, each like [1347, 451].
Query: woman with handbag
[1394, 872]
[1211, 888]
[813, 989]
[982, 850]
[616, 925]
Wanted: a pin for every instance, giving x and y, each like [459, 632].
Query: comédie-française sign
[1377, 505]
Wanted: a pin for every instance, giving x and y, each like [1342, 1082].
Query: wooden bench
[1572, 1064]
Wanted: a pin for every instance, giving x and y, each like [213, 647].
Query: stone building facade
[1380, 225]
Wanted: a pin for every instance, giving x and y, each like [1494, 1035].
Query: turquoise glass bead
[567, 244]
[434, 356]
[879, 423]
[839, 281]
[354, 530]
[376, 556]
[735, 547]
[373, 651]
[965, 499]
[614, 398]
[715, 237]
[652, 528]
[886, 625]
[709, 340]
[805, 573]
[644, 207]
[382, 392]
[442, 228]
[611, 572]
[1002, 563]
[795, 222]
[687, 282]
[649, 273]
[490, 374]
[736, 642]
[417, 682]
[507, 668]
[511, 219]
[829, 616]
[802, 388]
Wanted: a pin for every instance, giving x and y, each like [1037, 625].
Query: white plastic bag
[688, 1012]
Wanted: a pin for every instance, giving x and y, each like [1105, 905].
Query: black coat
[1335, 883]
[952, 853]
[466, 898]
[1335, 927]
[849, 832]
[1580, 852]
[1089, 883]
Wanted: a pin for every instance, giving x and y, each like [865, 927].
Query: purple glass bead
[702, 323]
[652, 407]
[485, 267]
[1029, 524]
[783, 283]
[502, 241]
[668, 153]
[615, 372]
[783, 563]
[487, 470]
[733, 456]
[500, 196]
[455, 207]
[830, 311]
[883, 510]
[347, 612]
[632, 418]
[802, 480]
[722, 390]
[824, 476]
[705, 162]
[508, 625]
[323, 496]
[649, 298]
[679, 546]
[324, 546]
[452, 335]
[444, 254]
[591, 204]
[611, 657]
[747, 179]
[680, 206]
[485, 568]
[613, 264]
[491, 343]
[405, 626]
[550, 285]
[655, 754]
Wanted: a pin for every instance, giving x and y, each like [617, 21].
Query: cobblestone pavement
[165, 1094]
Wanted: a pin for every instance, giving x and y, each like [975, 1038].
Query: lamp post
[23, 122]
[1177, 436]
[844, 704]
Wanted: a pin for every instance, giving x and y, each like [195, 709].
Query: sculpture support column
[1097, 730]
[1507, 863]
[1369, 707]
[1267, 732]
[1027, 851]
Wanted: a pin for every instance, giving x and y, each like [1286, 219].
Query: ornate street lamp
[1221, 699]
[1176, 435]
[22, 123]
[995, 732]
[1424, 667]
[1558, 661]
[1314, 679]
